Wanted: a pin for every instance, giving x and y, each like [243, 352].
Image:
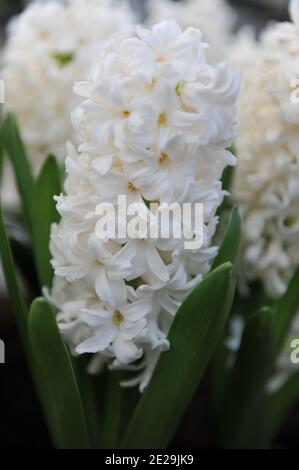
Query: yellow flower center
[163, 158]
[43, 34]
[132, 188]
[160, 58]
[162, 119]
[117, 317]
[82, 41]
[126, 113]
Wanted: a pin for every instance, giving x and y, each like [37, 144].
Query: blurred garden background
[257, 12]
[22, 423]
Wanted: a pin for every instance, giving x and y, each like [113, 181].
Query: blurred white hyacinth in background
[266, 180]
[154, 125]
[215, 19]
[49, 46]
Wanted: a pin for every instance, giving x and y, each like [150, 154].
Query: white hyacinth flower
[154, 126]
[266, 181]
[49, 46]
[215, 19]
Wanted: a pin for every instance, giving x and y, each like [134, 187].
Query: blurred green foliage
[9, 8]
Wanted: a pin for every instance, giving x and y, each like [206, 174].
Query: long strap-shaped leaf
[52, 351]
[54, 367]
[117, 408]
[1, 152]
[286, 310]
[193, 337]
[44, 214]
[228, 253]
[227, 180]
[17, 300]
[228, 176]
[242, 401]
[113, 413]
[15, 295]
[280, 404]
[17, 154]
[230, 246]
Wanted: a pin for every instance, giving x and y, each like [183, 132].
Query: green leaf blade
[228, 253]
[44, 214]
[61, 397]
[228, 176]
[286, 310]
[22, 171]
[231, 242]
[16, 297]
[1, 152]
[193, 336]
[243, 398]
[280, 405]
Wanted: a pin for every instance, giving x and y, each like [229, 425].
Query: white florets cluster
[154, 125]
[49, 46]
[266, 181]
[215, 19]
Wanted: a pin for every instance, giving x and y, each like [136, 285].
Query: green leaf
[1, 153]
[48, 333]
[108, 407]
[227, 177]
[193, 336]
[92, 389]
[227, 181]
[17, 154]
[241, 403]
[112, 418]
[280, 405]
[228, 253]
[218, 373]
[62, 401]
[118, 406]
[24, 260]
[16, 298]
[43, 215]
[230, 247]
[286, 310]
